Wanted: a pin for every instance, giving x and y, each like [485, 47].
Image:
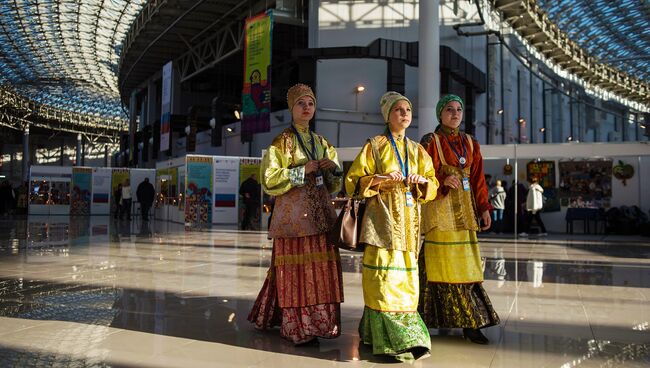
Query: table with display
[586, 215]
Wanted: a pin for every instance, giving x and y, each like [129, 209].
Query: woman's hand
[311, 166]
[395, 176]
[452, 181]
[487, 220]
[326, 164]
[415, 179]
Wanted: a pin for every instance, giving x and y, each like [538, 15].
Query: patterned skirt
[451, 277]
[302, 291]
[390, 322]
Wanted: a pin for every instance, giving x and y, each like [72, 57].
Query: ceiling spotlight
[237, 115]
[521, 120]
[542, 130]
[359, 89]
[500, 111]
[229, 130]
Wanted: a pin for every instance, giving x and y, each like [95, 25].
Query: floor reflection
[563, 302]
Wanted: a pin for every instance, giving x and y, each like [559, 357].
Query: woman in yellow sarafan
[395, 175]
[452, 294]
[303, 290]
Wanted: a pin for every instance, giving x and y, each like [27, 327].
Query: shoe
[523, 234]
[543, 234]
[475, 336]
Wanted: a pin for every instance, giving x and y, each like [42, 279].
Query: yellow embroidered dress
[452, 295]
[303, 289]
[390, 230]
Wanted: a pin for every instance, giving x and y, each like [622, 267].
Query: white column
[428, 66]
[78, 153]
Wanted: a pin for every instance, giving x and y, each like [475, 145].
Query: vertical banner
[166, 107]
[226, 185]
[133, 126]
[120, 176]
[101, 191]
[81, 188]
[256, 94]
[250, 194]
[198, 192]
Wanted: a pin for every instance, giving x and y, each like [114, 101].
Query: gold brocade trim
[299, 259]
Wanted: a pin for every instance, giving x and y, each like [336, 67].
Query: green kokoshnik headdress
[444, 101]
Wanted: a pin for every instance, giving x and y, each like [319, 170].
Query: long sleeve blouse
[283, 165]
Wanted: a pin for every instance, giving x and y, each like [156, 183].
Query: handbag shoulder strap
[375, 154]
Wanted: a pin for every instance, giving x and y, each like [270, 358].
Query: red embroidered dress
[304, 286]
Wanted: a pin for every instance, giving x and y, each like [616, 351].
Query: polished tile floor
[79, 292]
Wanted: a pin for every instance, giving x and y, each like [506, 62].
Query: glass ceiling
[64, 53]
[615, 32]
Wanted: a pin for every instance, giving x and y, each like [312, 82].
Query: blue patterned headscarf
[444, 101]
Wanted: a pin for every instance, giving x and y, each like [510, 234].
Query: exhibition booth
[591, 177]
[200, 189]
[581, 181]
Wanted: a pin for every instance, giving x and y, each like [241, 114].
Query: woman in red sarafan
[304, 287]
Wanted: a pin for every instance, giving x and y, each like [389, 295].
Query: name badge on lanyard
[311, 155]
[466, 184]
[409, 199]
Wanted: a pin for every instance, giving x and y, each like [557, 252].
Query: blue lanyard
[405, 168]
[310, 154]
[458, 156]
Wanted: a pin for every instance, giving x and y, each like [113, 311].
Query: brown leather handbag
[347, 230]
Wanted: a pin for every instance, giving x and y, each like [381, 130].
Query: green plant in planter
[623, 171]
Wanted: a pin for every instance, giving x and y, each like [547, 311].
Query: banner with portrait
[256, 94]
[198, 191]
[81, 190]
[250, 194]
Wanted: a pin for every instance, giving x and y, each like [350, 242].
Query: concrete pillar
[428, 66]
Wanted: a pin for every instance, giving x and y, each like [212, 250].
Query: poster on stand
[101, 191]
[198, 191]
[226, 185]
[119, 176]
[256, 94]
[81, 189]
[250, 194]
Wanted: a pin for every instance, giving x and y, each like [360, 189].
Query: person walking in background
[145, 194]
[395, 175]
[126, 200]
[452, 286]
[303, 290]
[534, 205]
[497, 200]
[117, 200]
